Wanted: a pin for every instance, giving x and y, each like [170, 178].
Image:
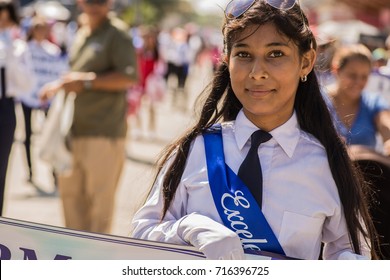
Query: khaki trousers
[88, 190]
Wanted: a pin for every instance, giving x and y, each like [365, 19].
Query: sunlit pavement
[41, 203]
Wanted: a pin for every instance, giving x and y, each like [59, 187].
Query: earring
[303, 78]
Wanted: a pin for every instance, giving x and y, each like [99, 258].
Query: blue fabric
[236, 206]
[363, 130]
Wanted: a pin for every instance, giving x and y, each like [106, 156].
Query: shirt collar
[286, 135]
[101, 28]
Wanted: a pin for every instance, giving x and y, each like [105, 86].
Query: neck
[94, 23]
[5, 25]
[341, 98]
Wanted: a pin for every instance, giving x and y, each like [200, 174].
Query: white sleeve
[19, 69]
[181, 227]
[337, 241]
[147, 223]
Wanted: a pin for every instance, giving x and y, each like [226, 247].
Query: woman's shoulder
[310, 141]
[46, 47]
[375, 100]
[312, 154]
[20, 47]
[371, 95]
[225, 129]
[51, 48]
[220, 127]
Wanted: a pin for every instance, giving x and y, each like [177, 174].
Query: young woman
[148, 59]
[359, 115]
[15, 79]
[48, 65]
[311, 192]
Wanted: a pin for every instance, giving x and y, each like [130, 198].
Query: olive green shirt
[105, 50]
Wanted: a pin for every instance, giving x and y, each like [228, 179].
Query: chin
[258, 113]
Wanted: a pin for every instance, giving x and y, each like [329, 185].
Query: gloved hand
[351, 256]
[213, 239]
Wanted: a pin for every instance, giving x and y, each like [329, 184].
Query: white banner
[21, 240]
[99, 256]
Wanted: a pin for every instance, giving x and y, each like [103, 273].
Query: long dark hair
[312, 112]
[12, 10]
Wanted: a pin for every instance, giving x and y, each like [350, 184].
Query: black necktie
[250, 170]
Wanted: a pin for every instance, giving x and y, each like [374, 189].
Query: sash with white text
[237, 207]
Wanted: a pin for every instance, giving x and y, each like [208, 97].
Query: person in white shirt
[312, 194]
[49, 63]
[16, 78]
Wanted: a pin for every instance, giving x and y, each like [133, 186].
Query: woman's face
[353, 77]
[265, 68]
[5, 20]
[40, 32]
[149, 41]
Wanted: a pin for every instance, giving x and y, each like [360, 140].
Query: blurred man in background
[103, 66]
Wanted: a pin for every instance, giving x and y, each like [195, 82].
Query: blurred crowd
[165, 59]
[171, 64]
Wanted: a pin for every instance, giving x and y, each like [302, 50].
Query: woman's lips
[259, 92]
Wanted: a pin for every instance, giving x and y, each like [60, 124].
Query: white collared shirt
[48, 65]
[300, 198]
[16, 60]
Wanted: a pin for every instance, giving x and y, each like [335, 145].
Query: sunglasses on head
[236, 8]
[99, 2]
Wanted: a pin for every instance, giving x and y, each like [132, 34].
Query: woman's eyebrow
[272, 44]
[277, 44]
[240, 45]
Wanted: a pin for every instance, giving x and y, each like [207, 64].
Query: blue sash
[236, 206]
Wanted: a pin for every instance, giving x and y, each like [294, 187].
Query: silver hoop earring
[303, 79]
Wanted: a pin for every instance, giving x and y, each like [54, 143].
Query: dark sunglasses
[99, 2]
[236, 8]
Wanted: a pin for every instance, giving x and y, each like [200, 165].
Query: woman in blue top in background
[358, 115]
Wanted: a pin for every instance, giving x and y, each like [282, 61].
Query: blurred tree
[154, 11]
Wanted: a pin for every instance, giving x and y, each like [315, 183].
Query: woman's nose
[258, 71]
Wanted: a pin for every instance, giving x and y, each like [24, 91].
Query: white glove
[213, 239]
[351, 256]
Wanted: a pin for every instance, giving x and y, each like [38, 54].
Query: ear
[225, 59]
[334, 69]
[308, 61]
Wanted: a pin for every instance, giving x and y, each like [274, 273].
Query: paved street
[25, 202]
